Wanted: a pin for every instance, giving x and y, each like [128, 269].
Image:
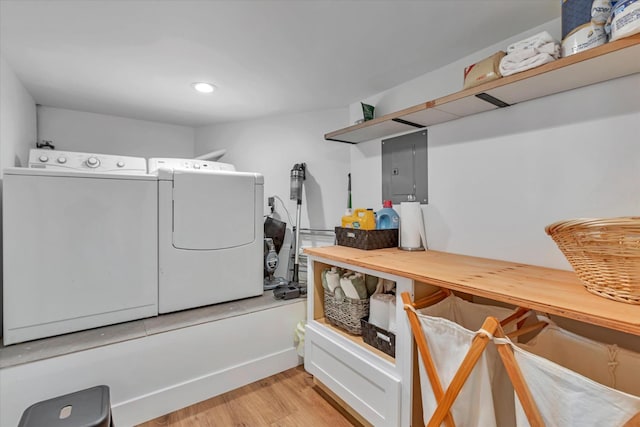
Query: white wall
[440, 82]
[17, 119]
[496, 179]
[499, 179]
[271, 146]
[366, 157]
[100, 133]
[17, 127]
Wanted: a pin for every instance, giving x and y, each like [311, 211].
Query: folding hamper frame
[491, 328]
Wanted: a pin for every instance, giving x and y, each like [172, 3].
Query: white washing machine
[80, 243]
[210, 235]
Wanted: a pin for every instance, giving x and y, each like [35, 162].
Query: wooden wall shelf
[548, 290]
[607, 62]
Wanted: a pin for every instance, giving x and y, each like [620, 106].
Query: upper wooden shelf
[609, 61]
[548, 290]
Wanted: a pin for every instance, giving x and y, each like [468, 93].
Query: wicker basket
[367, 239]
[605, 254]
[384, 341]
[345, 314]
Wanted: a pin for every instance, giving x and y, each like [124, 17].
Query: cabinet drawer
[356, 379]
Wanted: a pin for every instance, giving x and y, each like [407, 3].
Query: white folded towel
[522, 55]
[531, 42]
[333, 280]
[357, 280]
[348, 288]
[508, 67]
[523, 59]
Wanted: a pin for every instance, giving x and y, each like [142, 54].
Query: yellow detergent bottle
[364, 219]
[347, 219]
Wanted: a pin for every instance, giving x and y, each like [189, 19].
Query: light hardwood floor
[287, 399]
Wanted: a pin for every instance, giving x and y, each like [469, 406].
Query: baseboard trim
[160, 402]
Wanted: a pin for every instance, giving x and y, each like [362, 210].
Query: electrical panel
[404, 168]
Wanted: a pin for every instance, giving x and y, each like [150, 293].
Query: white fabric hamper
[487, 397]
[606, 364]
[571, 378]
[568, 399]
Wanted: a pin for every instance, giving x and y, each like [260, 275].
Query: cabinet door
[369, 390]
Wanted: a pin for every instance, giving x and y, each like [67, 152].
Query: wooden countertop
[548, 290]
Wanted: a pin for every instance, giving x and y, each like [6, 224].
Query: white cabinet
[369, 381]
[366, 385]
[381, 388]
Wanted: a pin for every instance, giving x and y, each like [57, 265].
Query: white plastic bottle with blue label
[387, 217]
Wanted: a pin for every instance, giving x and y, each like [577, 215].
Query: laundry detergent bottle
[363, 219]
[348, 218]
[387, 217]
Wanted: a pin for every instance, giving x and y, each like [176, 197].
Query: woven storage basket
[605, 254]
[345, 314]
[384, 341]
[366, 239]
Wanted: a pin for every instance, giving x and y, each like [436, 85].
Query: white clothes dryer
[80, 243]
[210, 233]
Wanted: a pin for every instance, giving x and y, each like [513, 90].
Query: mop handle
[296, 260]
[349, 193]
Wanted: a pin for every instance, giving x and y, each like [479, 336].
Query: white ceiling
[138, 58]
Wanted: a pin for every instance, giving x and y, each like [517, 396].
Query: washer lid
[57, 173]
[214, 210]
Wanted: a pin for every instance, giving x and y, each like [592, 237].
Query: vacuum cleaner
[294, 289]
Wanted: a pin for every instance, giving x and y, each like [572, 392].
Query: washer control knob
[43, 159]
[93, 162]
[120, 164]
[62, 160]
[196, 166]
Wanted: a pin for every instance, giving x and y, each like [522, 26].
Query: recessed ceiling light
[203, 87]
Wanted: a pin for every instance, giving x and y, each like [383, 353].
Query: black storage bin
[367, 239]
[85, 408]
[384, 341]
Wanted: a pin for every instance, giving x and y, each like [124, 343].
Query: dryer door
[213, 210]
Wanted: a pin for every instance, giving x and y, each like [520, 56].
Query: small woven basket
[366, 239]
[605, 254]
[345, 314]
[384, 341]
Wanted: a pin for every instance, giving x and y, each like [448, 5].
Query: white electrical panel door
[79, 252]
[213, 210]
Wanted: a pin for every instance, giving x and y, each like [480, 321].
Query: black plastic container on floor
[85, 408]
